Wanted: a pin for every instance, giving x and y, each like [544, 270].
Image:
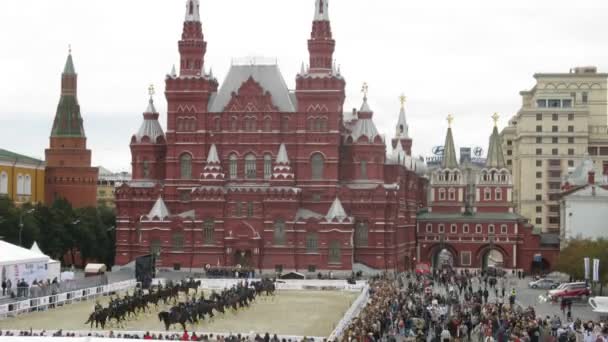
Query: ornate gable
[251, 97]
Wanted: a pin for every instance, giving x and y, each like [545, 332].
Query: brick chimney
[591, 177]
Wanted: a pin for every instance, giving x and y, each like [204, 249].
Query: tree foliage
[571, 258]
[60, 229]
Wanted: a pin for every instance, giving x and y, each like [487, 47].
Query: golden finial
[450, 120]
[151, 90]
[365, 90]
[402, 99]
[495, 117]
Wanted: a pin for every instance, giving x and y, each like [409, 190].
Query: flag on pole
[586, 268]
[596, 270]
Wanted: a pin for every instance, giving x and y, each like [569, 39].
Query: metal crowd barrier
[49, 302]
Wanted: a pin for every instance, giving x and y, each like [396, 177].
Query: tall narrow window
[209, 231]
[238, 209]
[250, 167]
[312, 242]
[177, 241]
[498, 194]
[234, 124]
[27, 186]
[3, 183]
[146, 168]
[267, 125]
[334, 252]
[317, 164]
[20, 184]
[364, 169]
[250, 208]
[218, 124]
[279, 232]
[487, 194]
[185, 164]
[267, 166]
[233, 166]
[361, 234]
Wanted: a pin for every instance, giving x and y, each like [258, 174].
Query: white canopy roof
[15, 255]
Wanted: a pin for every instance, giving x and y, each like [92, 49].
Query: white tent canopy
[53, 266]
[12, 255]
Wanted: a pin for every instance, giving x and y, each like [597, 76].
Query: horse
[173, 317]
[98, 317]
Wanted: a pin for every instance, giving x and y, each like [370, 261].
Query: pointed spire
[213, 157]
[173, 72]
[402, 127]
[210, 73]
[321, 10]
[159, 210]
[193, 10]
[69, 64]
[365, 106]
[282, 157]
[151, 92]
[302, 69]
[336, 211]
[449, 149]
[496, 158]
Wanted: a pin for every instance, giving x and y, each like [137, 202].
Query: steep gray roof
[159, 210]
[321, 10]
[336, 211]
[496, 159]
[402, 123]
[449, 152]
[267, 75]
[150, 127]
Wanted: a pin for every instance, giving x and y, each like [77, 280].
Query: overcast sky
[467, 57]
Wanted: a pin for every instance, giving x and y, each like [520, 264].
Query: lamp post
[23, 213]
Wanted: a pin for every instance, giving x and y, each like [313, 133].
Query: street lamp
[23, 213]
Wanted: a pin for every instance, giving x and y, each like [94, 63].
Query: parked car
[543, 284]
[578, 290]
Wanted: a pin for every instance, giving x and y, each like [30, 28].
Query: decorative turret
[213, 168]
[402, 136]
[364, 126]
[192, 47]
[321, 45]
[282, 169]
[149, 145]
[159, 212]
[449, 150]
[496, 158]
[336, 213]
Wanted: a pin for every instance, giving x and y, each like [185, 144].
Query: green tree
[571, 258]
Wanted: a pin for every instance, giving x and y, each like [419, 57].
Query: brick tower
[69, 173]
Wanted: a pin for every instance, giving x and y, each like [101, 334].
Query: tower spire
[192, 46]
[321, 10]
[402, 127]
[321, 45]
[68, 121]
[495, 159]
[449, 149]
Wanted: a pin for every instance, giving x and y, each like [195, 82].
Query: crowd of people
[455, 306]
[24, 289]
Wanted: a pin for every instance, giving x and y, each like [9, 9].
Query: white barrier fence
[352, 312]
[43, 303]
[288, 284]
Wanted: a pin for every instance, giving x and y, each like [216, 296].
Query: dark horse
[173, 317]
[98, 317]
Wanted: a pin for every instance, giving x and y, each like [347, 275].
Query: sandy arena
[304, 313]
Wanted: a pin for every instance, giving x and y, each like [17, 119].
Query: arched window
[401, 129]
[334, 253]
[177, 242]
[487, 194]
[234, 124]
[279, 232]
[27, 186]
[452, 194]
[185, 166]
[361, 234]
[20, 184]
[312, 242]
[503, 229]
[218, 124]
[364, 169]
[267, 166]
[267, 125]
[209, 232]
[285, 124]
[317, 163]
[250, 167]
[233, 167]
[442, 194]
[3, 183]
[498, 194]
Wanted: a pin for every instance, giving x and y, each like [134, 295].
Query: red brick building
[251, 173]
[470, 222]
[69, 174]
